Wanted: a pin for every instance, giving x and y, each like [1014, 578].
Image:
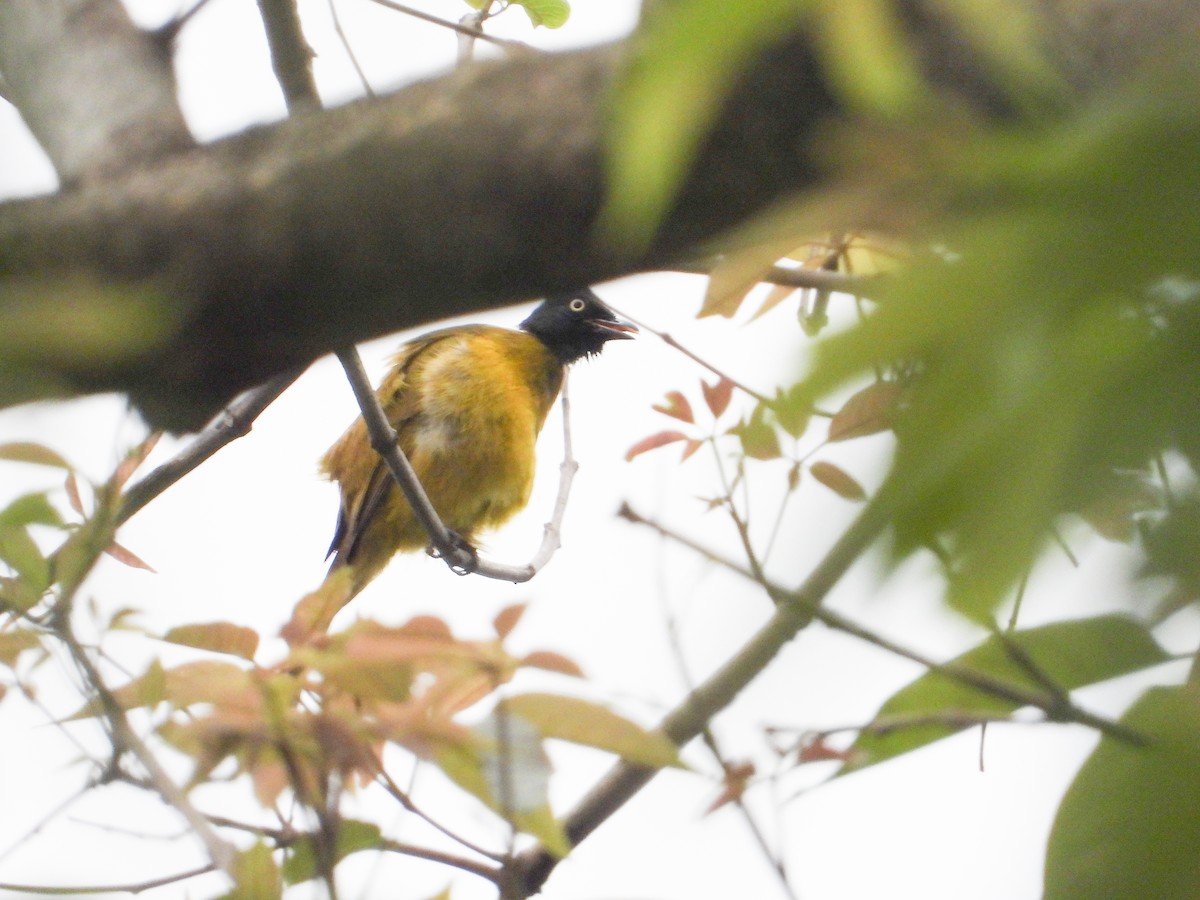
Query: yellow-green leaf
[1127, 828]
[1072, 654]
[30, 509]
[36, 454]
[583, 722]
[837, 480]
[546, 13]
[19, 551]
[256, 875]
[219, 637]
[353, 836]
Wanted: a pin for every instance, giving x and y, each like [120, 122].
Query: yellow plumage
[468, 404]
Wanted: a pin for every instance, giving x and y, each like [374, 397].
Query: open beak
[617, 330]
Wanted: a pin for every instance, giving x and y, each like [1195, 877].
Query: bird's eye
[577, 305]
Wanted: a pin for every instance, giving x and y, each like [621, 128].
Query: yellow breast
[483, 396]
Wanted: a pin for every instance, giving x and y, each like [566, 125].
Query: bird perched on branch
[467, 404]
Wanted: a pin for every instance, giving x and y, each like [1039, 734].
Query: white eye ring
[577, 305]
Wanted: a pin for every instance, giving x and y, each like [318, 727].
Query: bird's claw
[467, 556]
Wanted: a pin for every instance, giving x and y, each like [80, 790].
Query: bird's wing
[402, 404]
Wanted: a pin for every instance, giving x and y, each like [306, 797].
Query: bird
[467, 403]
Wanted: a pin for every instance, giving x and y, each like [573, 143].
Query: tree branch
[690, 717]
[261, 252]
[268, 249]
[97, 92]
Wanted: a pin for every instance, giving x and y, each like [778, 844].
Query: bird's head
[576, 325]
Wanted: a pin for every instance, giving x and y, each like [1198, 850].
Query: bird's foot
[463, 558]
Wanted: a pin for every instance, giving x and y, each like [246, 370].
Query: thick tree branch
[225, 265]
[273, 247]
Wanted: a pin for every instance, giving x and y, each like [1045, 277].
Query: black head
[576, 325]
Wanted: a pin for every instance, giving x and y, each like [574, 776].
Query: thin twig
[337, 28]
[402, 796]
[135, 887]
[797, 277]
[687, 719]
[288, 836]
[675, 345]
[233, 422]
[455, 26]
[221, 853]
[774, 860]
[1052, 703]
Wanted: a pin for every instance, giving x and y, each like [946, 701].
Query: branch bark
[227, 264]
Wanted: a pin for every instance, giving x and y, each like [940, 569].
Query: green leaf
[353, 836]
[546, 13]
[1072, 654]
[792, 410]
[477, 770]
[1049, 354]
[586, 723]
[30, 509]
[757, 436]
[1127, 827]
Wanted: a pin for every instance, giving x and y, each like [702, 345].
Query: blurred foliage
[1128, 827]
[1062, 656]
[1030, 335]
[1035, 349]
[1058, 351]
[542, 13]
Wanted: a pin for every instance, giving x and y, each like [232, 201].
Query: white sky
[244, 537]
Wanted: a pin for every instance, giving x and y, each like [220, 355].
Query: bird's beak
[617, 330]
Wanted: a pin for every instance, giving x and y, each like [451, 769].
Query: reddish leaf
[717, 396]
[676, 406]
[73, 497]
[127, 557]
[870, 411]
[313, 613]
[553, 662]
[506, 620]
[427, 627]
[690, 447]
[654, 442]
[135, 458]
[36, 454]
[793, 478]
[219, 637]
[816, 750]
[837, 480]
[737, 779]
